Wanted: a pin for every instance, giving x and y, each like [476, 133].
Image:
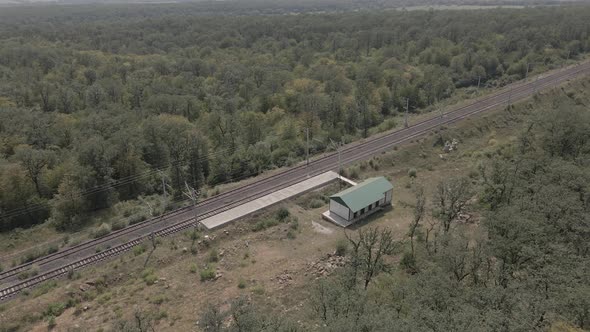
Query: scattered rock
[184, 250]
[450, 146]
[283, 279]
[86, 286]
[326, 265]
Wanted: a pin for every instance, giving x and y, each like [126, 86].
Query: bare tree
[35, 162]
[141, 322]
[211, 319]
[450, 199]
[369, 251]
[419, 210]
[431, 231]
[154, 246]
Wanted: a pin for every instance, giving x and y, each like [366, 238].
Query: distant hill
[325, 4]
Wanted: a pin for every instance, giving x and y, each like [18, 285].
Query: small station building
[359, 201]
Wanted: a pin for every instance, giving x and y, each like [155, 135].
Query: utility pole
[163, 184]
[528, 66]
[150, 208]
[193, 195]
[478, 82]
[337, 146]
[407, 111]
[307, 149]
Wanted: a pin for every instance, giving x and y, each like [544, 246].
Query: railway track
[81, 255]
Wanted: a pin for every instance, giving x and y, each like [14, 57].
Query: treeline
[92, 108]
[525, 267]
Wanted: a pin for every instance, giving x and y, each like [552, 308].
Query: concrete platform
[338, 220]
[349, 181]
[271, 199]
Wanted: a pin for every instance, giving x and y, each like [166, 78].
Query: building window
[362, 211]
[355, 214]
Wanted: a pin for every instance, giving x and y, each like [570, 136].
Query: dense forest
[97, 108]
[525, 267]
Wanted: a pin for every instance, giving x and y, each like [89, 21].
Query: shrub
[51, 324]
[294, 224]
[159, 299]
[282, 214]
[33, 271]
[51, 249]
[242, 284]
[207, 273]
[118, 224]
[44, 288]
[161, 315]
[341, 247]
[408, 262]
[354, 173]
[149, 277]
[412, 172]
[258, 290]
[55, 309]
[30, 256]
[138, 250]
[103, 230]
[193, 268]
[264, 224]
[291, 235]
[137, 218]
[316, 203]
[213, 256]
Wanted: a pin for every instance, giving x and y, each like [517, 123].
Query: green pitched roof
[363, 194]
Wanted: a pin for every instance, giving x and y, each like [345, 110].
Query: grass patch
[264, 224]
[103, 230]
[213, 256]
[159, 299]
[149, 277]
[258, 290]
[33, 271]
[38, 253]
[118, 225]
[208, 273]
[282, 214]
[55, 309]
[138, 250]
[51, 324]
[44, 288]
[314, 200]
[341, 247]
